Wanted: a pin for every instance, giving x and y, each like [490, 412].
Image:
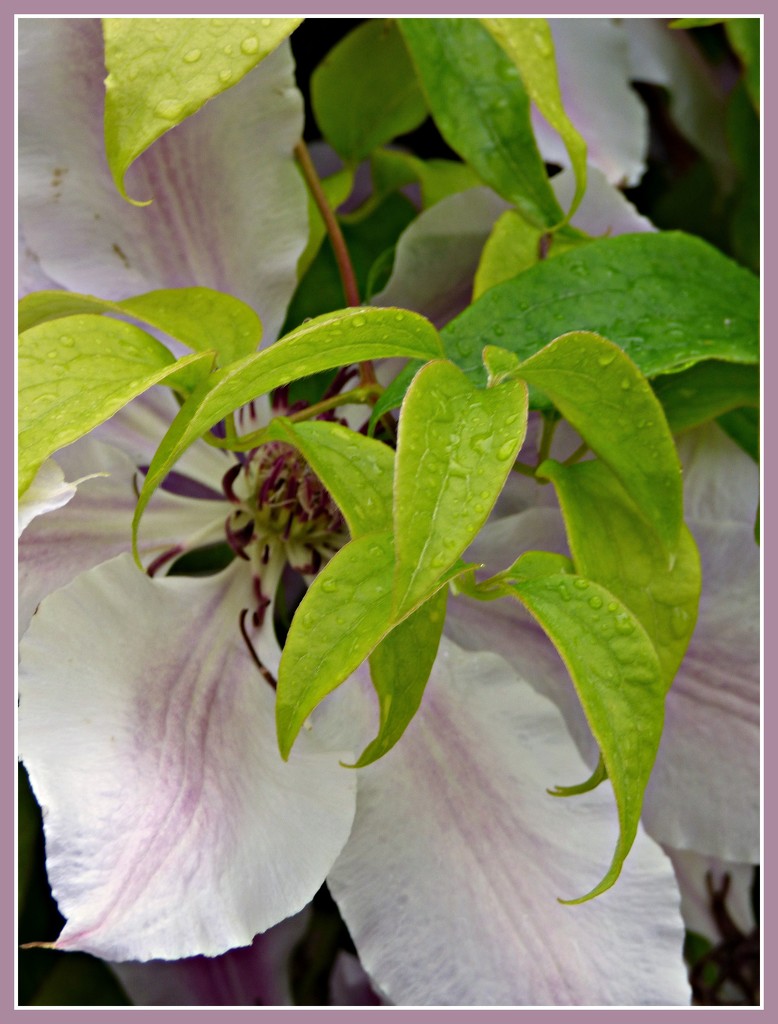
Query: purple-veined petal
[229, 208]
[48, 491]
[593, 66]
[173, 827]
[703, 794]
[449, 881]
[691, 870]
[255, 975]
[97, 524]
[138, 428]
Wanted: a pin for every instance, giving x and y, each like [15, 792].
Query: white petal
[172, 825]
[691, 870]
[437, 256]
[450, 879]
[704, 792]
[229, 208]
[96, 525]
[255, 975]
[48, 491]
[592, 61]
[604, 210]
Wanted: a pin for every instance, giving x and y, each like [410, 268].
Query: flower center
[280, 502]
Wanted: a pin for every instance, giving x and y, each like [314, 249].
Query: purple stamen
[268, 676]
[162, 559]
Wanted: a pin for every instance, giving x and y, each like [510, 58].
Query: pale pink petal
[138, 428]
[692, 871]
[173, 827]
[255, 975]
[350, 984]
[593, 65]
[449, 881]
[47, 492]
[667, 57]
[229, 208]
[97, 524]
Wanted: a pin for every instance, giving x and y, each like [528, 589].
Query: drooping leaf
[162, 70]
[364, 93]
[76, 372]
[201, 318]
[393, 395]
[455, 448]
[619, 682]
[480, 105]
[705, 391]
[602, 393]
[610, 546]
[668, 299]
[399, 669]
[530, 45]
[745, 37]
[356, 470]
[332, 340]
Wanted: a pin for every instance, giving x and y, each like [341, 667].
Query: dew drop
[192, 56]
[505, 451]
[679, 622]
[169, 109]
[358, 321]
[606, 360]
[564, 593]
[625, 385]
[624, 625]
[612, 606]
[228, 50]
[266, 22]
[225, 76]
[328, 586]
[595, 602]
[581, 584]
[249, 45]
[66, 341]
[307, 620]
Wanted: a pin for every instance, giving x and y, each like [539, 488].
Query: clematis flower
[172, 826]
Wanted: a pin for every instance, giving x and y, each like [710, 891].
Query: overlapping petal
[704, 791]
[449, 881]
[48, 491]
[97, 524]
[229, 208]
[172, 826]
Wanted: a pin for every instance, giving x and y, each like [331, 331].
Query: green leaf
[392, 169]
[356, 470]
[344, 614]
[602, 393]
[530, 45]
[399, 669]
[706, 391]
[203, 319]
[75, 373]
[610, 546]
[619, 682]
[393, 395]
[456, 445]
[742, 425]
[482, 109]
[335, 339]
[668, 299]
[364, 93]
[163, 70]
[514, 246]
[745, 36]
